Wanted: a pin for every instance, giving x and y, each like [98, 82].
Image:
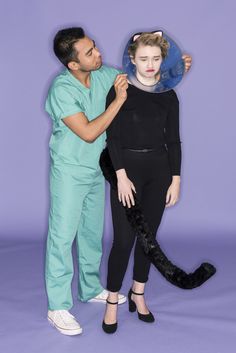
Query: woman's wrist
[176, 179]
[121, 173]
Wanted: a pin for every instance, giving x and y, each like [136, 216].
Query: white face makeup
[147, 60]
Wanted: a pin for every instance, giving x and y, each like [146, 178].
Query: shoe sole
[103, 301]
[65, 331]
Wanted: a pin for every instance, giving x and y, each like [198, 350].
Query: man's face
[89, 57]
[148, 60]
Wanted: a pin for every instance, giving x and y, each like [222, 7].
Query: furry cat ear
[160, 33]
[135, 37]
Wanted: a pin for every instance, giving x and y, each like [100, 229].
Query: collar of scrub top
[171, 75]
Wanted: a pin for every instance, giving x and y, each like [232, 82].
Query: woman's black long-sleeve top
[145, 121]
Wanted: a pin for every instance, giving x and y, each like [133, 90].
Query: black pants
[150, 174]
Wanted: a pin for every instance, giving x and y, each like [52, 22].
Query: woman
[144, 146]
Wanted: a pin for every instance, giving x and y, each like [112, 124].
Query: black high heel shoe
[110, 328]
[132, 308]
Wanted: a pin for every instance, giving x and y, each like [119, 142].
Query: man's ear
[73, 65]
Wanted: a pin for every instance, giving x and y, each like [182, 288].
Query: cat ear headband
[136, 35]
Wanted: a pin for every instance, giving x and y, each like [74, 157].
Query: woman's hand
[125, 188]
[172, 195]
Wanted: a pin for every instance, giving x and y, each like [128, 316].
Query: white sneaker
[102, 297]
[64, 322]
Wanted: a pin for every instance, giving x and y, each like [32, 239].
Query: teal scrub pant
[76, 211]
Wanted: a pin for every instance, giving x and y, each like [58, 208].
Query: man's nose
[98, 52]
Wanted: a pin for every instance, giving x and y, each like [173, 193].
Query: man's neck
[83, 77]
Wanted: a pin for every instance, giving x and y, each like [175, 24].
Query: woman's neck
[148, 81]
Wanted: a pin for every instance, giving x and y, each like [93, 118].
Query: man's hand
[187, 61]
[89, 130]
[172, 195]
[125, 188]
[121, 85]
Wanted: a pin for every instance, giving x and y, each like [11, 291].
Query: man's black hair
[63, 44]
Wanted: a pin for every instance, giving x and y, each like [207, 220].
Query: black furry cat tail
[150, 246]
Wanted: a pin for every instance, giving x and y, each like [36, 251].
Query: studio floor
[202, 320]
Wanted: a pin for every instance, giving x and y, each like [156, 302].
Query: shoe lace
[66, 316]
[103, 295]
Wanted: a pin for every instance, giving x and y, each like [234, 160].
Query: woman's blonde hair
[152, 39]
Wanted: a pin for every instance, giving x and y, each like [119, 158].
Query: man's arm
[90, 130]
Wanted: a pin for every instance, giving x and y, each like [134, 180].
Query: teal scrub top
[68, 96]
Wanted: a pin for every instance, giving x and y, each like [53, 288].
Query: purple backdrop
[200, 321]
[204, 29]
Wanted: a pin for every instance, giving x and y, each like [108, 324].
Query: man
[76, 104]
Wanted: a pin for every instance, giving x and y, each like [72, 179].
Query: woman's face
[147, 60]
